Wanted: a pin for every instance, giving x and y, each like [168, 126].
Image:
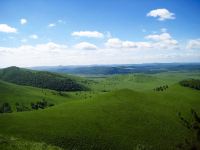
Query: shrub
[21, 107]
[41, 104]
[161, 88]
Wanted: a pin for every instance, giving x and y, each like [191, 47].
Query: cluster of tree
[5, 108]
[40, 79]
[193, 142]
[192, 83]
[41, 104]
[161, 88]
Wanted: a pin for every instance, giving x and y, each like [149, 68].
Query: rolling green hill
[121, 119]
[40, 79]
[119, 112]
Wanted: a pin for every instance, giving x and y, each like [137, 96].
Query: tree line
[192, 83]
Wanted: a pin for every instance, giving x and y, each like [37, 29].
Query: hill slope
[25, 95]
[40, 79]
[121, 119]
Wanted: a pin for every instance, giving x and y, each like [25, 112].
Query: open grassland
[120, 112]
[139, 82]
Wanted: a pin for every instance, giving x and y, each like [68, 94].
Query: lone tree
[194, 127]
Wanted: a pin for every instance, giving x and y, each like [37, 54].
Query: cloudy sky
[82, 32]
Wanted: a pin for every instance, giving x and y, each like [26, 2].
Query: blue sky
[107, 32]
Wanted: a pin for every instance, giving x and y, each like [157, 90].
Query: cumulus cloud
[51, 47]
[45, 48]
[156, 41]
[163, 41]
[7, 29]
[117, 43]
[193, 44]
[85, 46]
[161, 14]
[93, 34]
[159, 37]
[52, 25]
[33, 36]
[23, 21]
[114, 43]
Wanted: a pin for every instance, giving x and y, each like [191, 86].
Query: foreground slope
[121, 119]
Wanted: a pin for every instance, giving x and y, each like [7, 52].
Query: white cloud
[23, 21]
[49, 54]
[7, 29]
[93, 34]
[193, 44]
[117, 43]
[159, 37]
[161, 14]
[138, 45]
[85, 46]
[33, 36]
[157, 41]
[114, 43]
[51, 47]
[52, 25]
[163, 41]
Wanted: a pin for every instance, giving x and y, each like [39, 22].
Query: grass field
[120, 112]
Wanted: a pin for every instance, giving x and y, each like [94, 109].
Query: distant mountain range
[121, 69]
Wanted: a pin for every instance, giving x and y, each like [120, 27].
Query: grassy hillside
[40, 79]
[121, 119]
[25, 95]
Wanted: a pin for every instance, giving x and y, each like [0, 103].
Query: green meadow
[118, 112]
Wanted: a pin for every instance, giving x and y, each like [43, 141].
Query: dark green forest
[40, 79]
